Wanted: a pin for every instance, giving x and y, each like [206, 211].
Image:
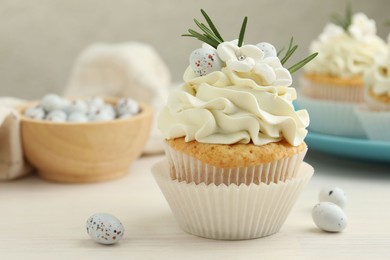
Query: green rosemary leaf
[346, 21]
[203, 38]
[279, 52]
[288, 54]
[242, 32]
[336, 19]
[348, 16]
[387, 22]
[210, 23]
[302, 63]
[207, 31]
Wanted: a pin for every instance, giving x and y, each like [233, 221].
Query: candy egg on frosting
[204, 61]
[329, 217]
[334, 195]
[268, 49]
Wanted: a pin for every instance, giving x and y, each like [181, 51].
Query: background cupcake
[374, 115]
[231, 130]
[333, 84]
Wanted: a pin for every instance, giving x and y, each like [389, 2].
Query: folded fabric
[131, 69]
[12, 163]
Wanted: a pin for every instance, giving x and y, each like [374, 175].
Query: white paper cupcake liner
[187, 168]
[332, 117]
[331, 92]
[376, 124]
[230, 212]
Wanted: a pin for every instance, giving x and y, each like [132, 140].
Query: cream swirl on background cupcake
[249, 99]
[346, 53]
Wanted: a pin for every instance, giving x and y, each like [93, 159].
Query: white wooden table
[43, 220]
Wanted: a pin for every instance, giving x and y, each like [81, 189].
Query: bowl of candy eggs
[80, 140]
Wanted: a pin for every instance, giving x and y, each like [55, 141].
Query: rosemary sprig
[211, 24]
[345, 21]
[210, 34]
[242, 32]
[387, 22]
[302, 63]
[290, 50]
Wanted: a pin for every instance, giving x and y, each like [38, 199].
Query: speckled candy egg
[104, 228]
[35, 112]
[204, 61]
[334, 195]
[267, 48]
[52, 102]
[329, 217]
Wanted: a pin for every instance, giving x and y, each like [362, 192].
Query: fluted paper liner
[187, 168]
[332, 117]
[230, 212]
[325, 91]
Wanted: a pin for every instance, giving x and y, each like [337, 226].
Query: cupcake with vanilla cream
[333, 84]
[374, 115]
[232, 134]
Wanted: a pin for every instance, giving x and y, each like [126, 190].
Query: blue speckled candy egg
[104, 228]
[204, 61]
[329, 217]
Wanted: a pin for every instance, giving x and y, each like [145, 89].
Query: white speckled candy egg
[56, 116]
[127, 106]
[204, 61]
[35, 112]
[329, 217]
[267, 48]
[51, 102]
[104, 228]
[77, 117]
[334, 195]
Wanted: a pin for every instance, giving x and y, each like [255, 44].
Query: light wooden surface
[43, 220]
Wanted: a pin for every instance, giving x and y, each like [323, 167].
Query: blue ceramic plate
[350, 147]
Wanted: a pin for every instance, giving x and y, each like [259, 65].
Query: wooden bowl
[84, 152]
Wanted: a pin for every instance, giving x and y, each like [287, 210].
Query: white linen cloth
[130, 69]
[12, 162]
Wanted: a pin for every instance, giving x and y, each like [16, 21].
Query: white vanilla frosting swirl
[377, 78]
[346, 54]
[226, 107]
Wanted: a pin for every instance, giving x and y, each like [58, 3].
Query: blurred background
[40, 39]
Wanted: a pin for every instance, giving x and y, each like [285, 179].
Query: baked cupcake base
[233, 164]
[231, 212]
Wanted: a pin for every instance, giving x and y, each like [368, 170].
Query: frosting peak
[378, 77]
[247, 100]
[346, 53]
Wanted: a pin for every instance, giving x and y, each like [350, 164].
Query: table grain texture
[44, 220]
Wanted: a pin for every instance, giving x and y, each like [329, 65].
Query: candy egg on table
[104, 228]
[268, 49]
[334, 195]
[204, 61]
[329, 217]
